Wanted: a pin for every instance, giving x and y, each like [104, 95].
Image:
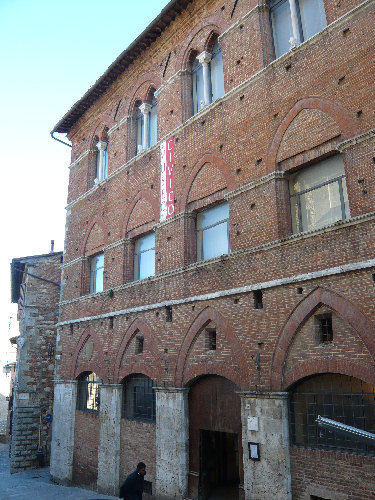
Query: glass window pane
[215, 241]
[197, 86]
[314, 175]
[153, 124]
[97, 163]
[145, 243]
[313, 17]
[105, 163]
[96, 273]
[140, 120]
[146, 264]
[213, 215]
[281, 27]
[321, 207]
[217, 75]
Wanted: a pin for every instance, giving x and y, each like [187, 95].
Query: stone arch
[154, 370]
[141, 89]
[217, 162]
[333, 109]
[79, 366]
[207, 315]
[306, 308]
[217, 25]
[100, 223]
[147, 195]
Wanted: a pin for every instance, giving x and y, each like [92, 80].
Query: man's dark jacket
[132, 487]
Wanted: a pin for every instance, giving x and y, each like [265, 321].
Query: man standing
[132, 487]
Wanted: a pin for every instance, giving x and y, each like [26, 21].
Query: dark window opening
[147, 487]
[314, 497]
[111, 322]
[168, 314]
[138, 402]
[324, 327]
[139, 345]
[345, 399]
[258, 299]
[211, 339]
[88, 398]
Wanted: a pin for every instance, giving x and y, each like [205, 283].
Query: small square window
[139, 345]
[324, 328]
[211, 339]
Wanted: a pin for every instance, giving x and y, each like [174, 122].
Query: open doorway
[219, 465]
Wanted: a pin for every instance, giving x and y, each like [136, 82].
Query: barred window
[339, 397]
[138, 401]
[88, 392]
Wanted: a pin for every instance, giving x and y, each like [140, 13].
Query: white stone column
[172, 443]
[62, 445]
[145, 109]
[265, 422]
[204, 58]
[102, 146]
[109, 439]
[294, 17]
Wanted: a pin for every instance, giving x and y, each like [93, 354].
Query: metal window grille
[88, 398]
[138, 402]
[324, 324]
[338, 397]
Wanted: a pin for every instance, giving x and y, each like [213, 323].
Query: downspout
[59, 140]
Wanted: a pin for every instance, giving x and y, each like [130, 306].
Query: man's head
[141, 469]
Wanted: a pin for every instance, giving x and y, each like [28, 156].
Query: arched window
[207, 77]
[344, 399]
[88, 392]
[146, 119]
[138, 401]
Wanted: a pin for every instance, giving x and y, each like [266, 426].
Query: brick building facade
[36, 288]
[219, 272]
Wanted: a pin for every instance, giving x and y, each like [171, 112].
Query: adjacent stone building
[36, 288]
[219, 272]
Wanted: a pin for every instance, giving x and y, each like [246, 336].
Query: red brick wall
[85, 457]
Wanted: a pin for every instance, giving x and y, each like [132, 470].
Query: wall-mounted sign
[167, 179]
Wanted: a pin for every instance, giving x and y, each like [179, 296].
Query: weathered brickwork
[33, 385]
[277, 116]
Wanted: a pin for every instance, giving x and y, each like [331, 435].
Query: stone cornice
[366, 136]
[72, 262]
[251, 185]
[80, 157]
[118, 125]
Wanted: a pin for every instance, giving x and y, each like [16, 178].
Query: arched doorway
[215, 450]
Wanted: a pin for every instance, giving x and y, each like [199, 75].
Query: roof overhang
[144, 40]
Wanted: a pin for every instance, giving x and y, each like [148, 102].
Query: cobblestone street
[34, 484]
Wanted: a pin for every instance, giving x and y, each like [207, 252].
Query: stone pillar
[204, 58]
[102, 146]
[62, 446]
[265, 421]
[145, 109]
[109, 439]
[172, 443]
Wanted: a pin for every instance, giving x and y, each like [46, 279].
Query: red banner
[167, 179]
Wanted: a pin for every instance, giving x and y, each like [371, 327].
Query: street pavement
[35, 485]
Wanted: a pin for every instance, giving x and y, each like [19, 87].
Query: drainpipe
[59, 140]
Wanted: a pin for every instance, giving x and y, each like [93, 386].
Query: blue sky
[51, 51]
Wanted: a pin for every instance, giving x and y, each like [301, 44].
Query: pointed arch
[145, 194]
[78, 367]
[215, 23]
[152, 369]
[140, 91]
[207, 315]
[98, 221]
[306, 308]
[217, 162]
[333, 109]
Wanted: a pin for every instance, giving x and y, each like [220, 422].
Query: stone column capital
[102, 145]
[145, 108]
[204, 57]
